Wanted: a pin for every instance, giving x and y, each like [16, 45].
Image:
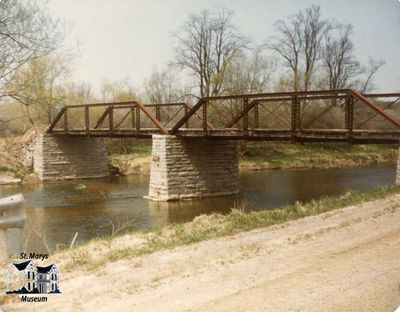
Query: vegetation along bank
[136, 157]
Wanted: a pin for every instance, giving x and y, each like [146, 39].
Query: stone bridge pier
[58, 157]
[191, 168]
[180, 168]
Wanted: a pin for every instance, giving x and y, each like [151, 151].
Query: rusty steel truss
[313, 116]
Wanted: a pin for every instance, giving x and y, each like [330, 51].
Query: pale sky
[126, 39]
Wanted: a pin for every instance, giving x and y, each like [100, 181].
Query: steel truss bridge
[314, 116]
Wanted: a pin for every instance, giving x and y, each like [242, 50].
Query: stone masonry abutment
[190, 168]
[68, 157]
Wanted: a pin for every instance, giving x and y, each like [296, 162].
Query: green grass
[134, 147]
[142, 150]
[5, 169]
[315, 155]
[271, 155]
[216, 225]
[13, 171]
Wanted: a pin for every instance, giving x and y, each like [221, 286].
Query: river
[56, 211]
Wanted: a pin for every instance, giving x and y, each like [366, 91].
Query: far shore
[277, 156]
[134, 158]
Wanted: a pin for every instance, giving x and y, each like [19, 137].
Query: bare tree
[288, 45]
[338, 57]
[39, 87]
[366, 82]
[163, 87]
[26, 33]
[340, 64]
[313, 29]
[79, 93]
[307, 42]
[122, 90]
[207, 43]
[249, 74]
[298, 43]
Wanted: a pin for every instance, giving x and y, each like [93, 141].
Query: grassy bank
[315, 155]
[9, 166]
[269, 155]
[100, 251]
[132, 156]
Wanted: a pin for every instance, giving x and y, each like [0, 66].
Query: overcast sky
[128, 38]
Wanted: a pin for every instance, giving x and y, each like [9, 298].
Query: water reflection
[57, 211]
[163, 213]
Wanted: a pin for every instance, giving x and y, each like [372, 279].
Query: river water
[56, 211]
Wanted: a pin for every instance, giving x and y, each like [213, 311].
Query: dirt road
[347, 260]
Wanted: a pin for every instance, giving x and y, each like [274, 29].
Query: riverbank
[333, 259]
[269, 155]
[12, 151]
[133, 157]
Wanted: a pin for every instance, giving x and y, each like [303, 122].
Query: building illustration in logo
[28, 278]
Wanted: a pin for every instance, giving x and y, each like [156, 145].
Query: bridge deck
[316, 135]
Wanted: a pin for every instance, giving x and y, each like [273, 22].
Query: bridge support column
[190, 168]
[68, 157]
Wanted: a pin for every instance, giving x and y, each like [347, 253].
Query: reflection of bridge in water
[194, 147]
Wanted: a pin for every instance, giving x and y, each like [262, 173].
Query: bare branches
[338, 56]
[26, 33]
[119, 226]
[163, 87]
[288, 46]
[298, 43]
[249, 74]
[121, 90]
[366, 83]
[39, 86]
[207, 44]
[313, 28]
[306, 42]
[40, 235]
[340, 64]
